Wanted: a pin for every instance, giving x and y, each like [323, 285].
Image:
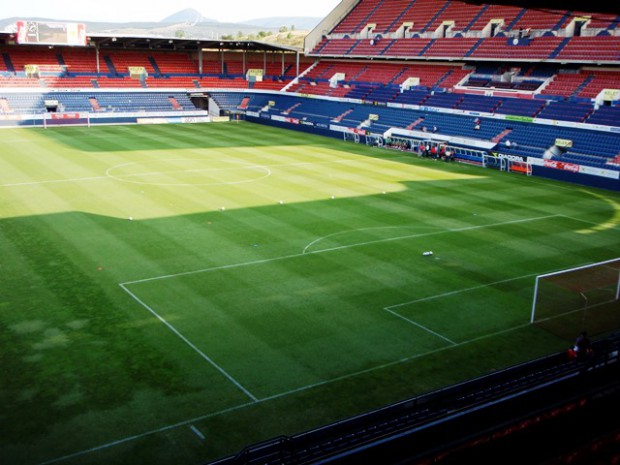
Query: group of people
[441, 152]
[581, 349]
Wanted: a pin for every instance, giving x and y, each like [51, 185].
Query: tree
[283, 29]
[179, 34]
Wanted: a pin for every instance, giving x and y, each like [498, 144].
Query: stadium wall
[576, 178]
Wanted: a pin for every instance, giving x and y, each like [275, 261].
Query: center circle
[187, 172]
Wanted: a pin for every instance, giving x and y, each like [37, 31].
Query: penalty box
[283, 324]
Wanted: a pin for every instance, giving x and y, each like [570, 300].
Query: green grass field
[170, 294]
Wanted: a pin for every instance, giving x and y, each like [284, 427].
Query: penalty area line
[279, 396]
[135, 437]
[332, 249]
[197, 432]
[428, 330]
[191, 345]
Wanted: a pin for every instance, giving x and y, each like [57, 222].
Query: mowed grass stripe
[373, 272]
[84, 360]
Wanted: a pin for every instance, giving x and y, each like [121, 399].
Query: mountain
[191, 24]
[300, 22]
[188, 16]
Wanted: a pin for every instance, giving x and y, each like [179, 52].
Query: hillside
[191, 24]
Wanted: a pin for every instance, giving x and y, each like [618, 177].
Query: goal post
[586, 297]
[66, 119]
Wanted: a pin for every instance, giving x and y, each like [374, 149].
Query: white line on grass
[435, 233]
[108, 176]
[197, 432]
[359, 244]
[277, 396]
[458, 291]
[421, 326]
[316, 241]
[243, 166]
[256, 401]
[146, 434]
[54, 181]
[190, 344]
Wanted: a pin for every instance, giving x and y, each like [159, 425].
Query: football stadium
[399, 245]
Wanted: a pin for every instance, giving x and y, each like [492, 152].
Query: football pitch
[171, 294]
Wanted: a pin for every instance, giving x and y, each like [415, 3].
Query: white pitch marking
[53, 181]
[286, 257]
[436, 233]
[190, 344]
[197, 432]
[277, 396]
[458, 291]
[241, 165]
[421, 326]
[107, 176]
[146, 434]
[363, 229]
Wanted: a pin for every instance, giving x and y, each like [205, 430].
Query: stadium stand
[487, 79]
[420, 63]
[499, 418]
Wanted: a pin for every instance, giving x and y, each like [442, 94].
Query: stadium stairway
[398, 18]
[501, 135]
[8, 63]
[342, 115]
[426, 47]
[476, 18]
[290, 109]
[364, 21]
[437, 15]
[475, 46]
[153, 63]
[110, 65]
[559, 48]
[561, 21]
[516, 19]
[415, 123]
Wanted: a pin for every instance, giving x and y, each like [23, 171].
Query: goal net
[584, 298]
[66, 119]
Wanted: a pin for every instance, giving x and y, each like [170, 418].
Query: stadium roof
[172, 43]
[124, 41]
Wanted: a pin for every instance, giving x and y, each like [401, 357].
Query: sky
[156, 10]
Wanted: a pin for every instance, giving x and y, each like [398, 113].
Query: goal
[583, 298]
[66, 119]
